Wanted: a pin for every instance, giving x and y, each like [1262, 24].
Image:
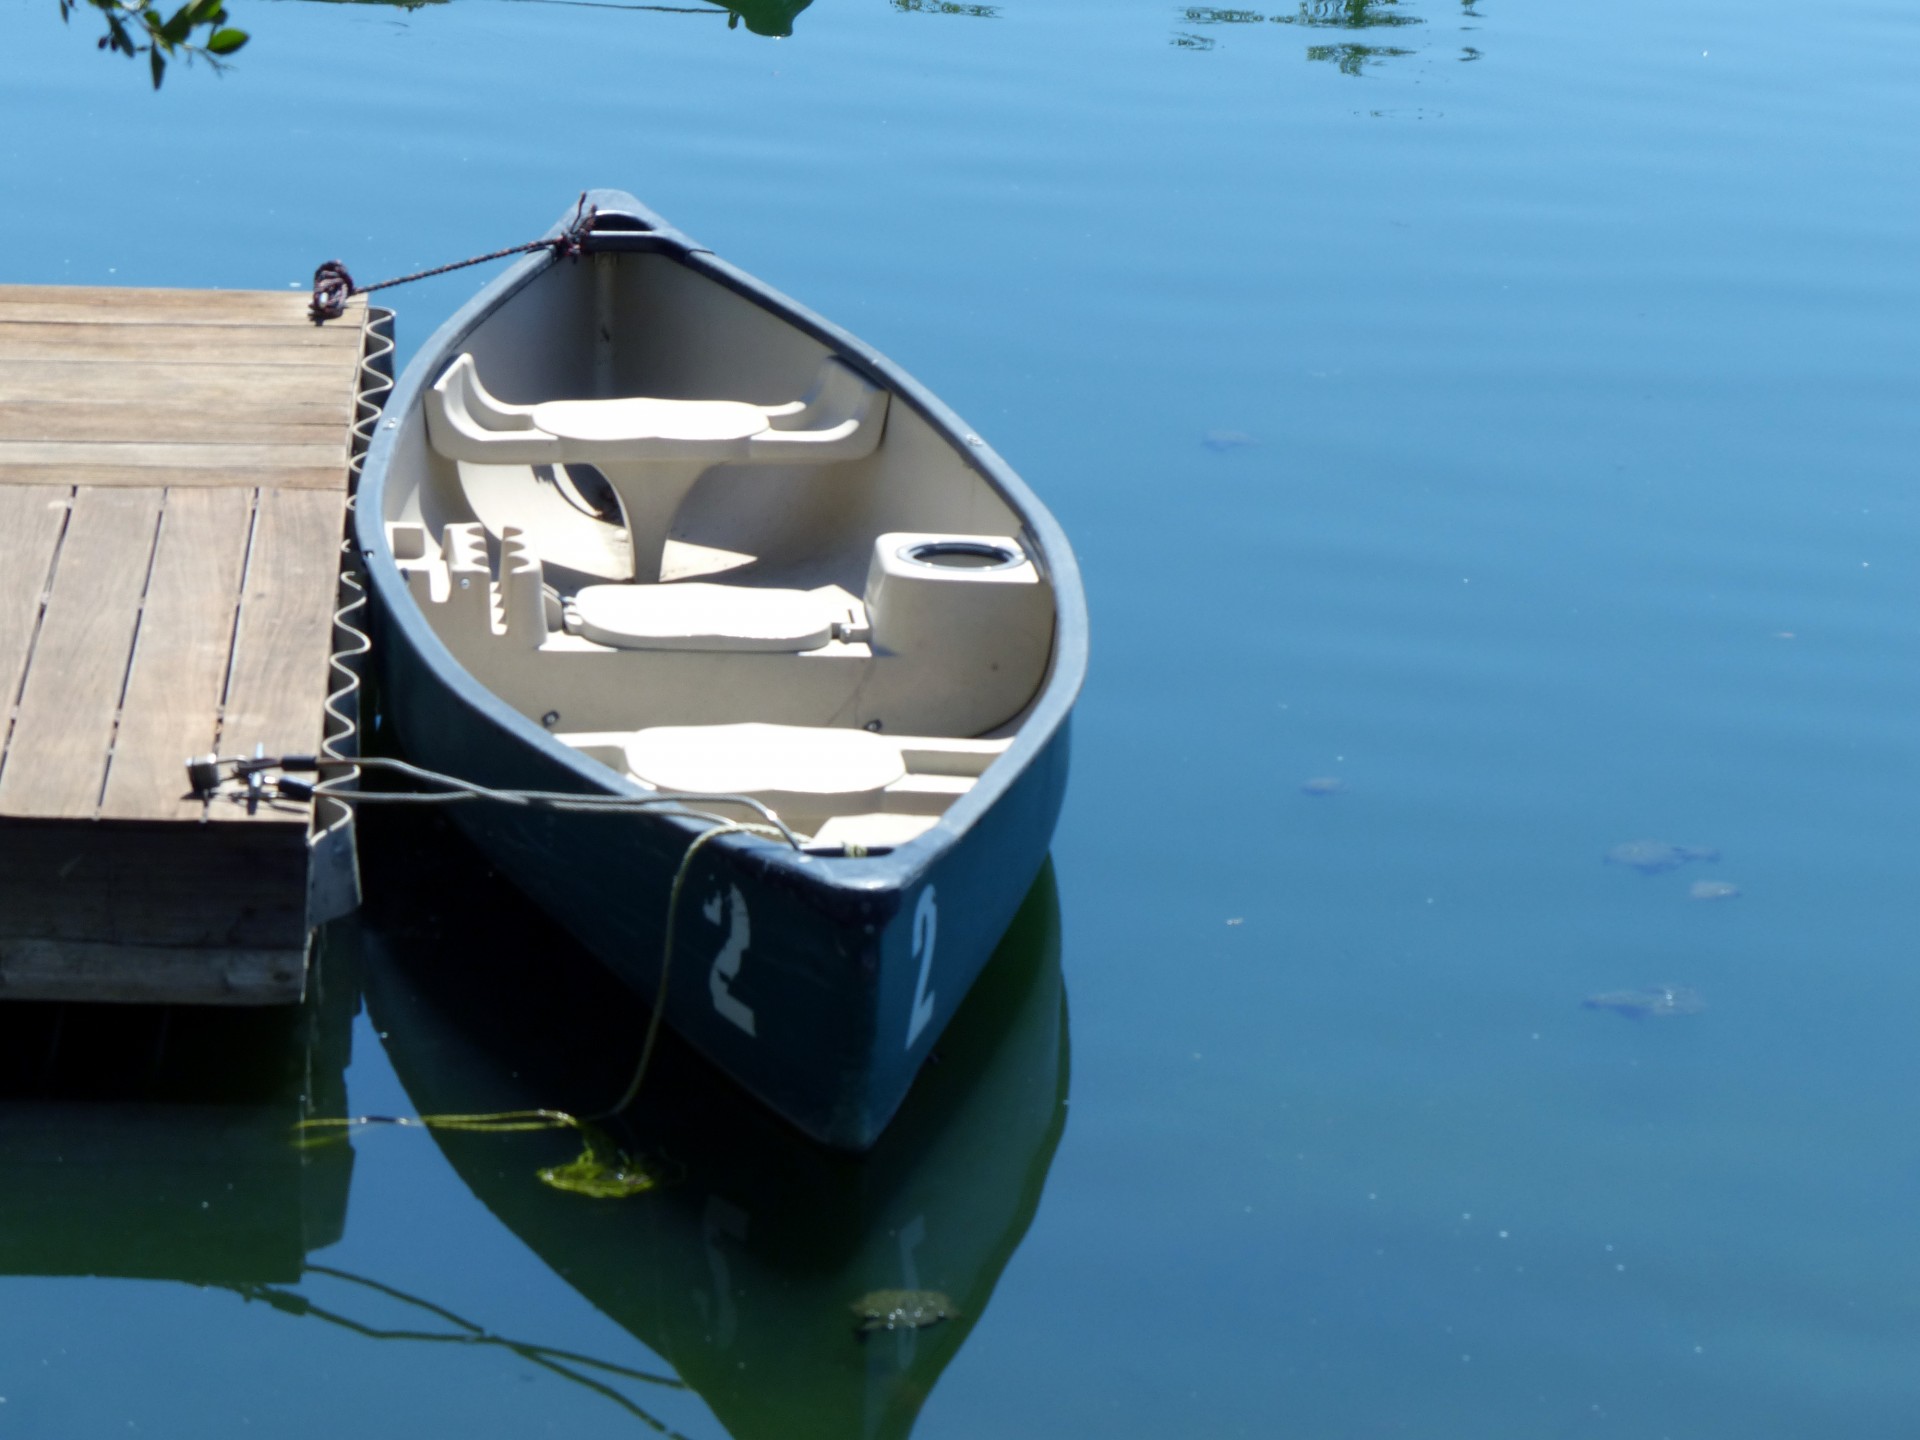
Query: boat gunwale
[1040, 722]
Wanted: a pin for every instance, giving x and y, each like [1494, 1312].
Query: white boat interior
[681, 534]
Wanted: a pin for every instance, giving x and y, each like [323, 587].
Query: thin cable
[457, 790]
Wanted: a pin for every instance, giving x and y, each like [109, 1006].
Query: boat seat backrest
[651, 451]
[840, 417]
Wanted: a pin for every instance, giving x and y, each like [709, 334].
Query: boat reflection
[761, 17]
[152, 1142]
[764, 17]
[742, 1272]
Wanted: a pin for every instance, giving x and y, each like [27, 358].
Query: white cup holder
[958, 554]
[961, 627]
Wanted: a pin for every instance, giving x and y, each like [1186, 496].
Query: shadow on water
[152, 1142]
[742, 1271]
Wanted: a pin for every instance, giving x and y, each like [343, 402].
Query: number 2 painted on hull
[726, 965]
[925, 924]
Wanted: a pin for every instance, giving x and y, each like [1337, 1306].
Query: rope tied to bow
[333, 284]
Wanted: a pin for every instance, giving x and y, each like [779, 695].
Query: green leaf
[159, 65]
[225, 42]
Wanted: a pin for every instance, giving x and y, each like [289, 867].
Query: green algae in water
[901, 1310]
[590, 1175]
[602, 1171]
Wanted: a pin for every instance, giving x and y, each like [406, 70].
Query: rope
[666, 959]
[591, 1174]
[333, 284]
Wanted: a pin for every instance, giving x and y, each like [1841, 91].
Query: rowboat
[637, 525]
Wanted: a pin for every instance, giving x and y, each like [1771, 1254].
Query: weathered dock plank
[33, 518]
[56, 758]
[181, 656]
[107, 477]
[166, 424]
[135, 306]
[148, 974]
[203, 388]
[135, 456]
[89, 342]
[202, 888]
[173, 477]
[274, 694]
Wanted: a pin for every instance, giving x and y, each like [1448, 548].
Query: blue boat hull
[820, 983]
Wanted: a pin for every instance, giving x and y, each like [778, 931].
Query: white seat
[690, 615]
[797, 770]
[643, 429]
[886, 788]
[839, 418]
[652, 451]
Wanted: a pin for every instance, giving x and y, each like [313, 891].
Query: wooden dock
[173, 484]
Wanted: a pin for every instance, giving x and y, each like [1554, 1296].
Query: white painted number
[726, 965]
[925, 922]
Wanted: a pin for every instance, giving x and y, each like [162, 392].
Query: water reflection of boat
[741, 1273]
[762, 17]
[151, 1143]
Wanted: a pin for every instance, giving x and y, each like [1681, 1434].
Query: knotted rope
[333, 284]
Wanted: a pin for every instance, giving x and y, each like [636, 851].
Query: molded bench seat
[795, 769]
[651, 451]
[638, 428]
[806, 774]
[691, 615]
[839, 418]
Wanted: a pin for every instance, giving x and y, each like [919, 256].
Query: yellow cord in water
[600, 1171]
[666, 956]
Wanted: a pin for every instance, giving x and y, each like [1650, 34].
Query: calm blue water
[1509, 411]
